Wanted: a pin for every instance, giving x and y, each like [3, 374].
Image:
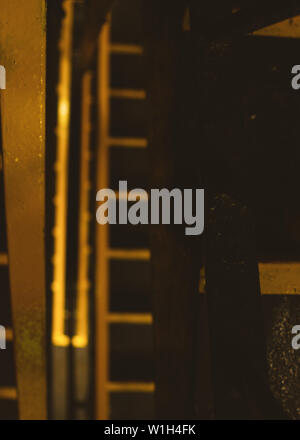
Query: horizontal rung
[128, 254]
[281, 278]
[9, 334]
[128, 142]
[130, 49]
[3, 259]
[129, 318]
[130, 387]
[8, 393]
[128, 93]
[278, 278]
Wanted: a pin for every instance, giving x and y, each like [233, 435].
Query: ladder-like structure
[105, 254]
[275, 278]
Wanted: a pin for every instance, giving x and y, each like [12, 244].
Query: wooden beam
[174, 309]
[23, 49]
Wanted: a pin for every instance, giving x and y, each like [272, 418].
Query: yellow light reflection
[63, 112]
[60, 201]
[80, 340]
[289, 28]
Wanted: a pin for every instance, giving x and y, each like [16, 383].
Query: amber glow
[59, 259]
[82, 310]
[289, 28]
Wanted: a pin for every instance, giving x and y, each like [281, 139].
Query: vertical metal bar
[59, 259]
[23, 47]
[81, 340]
[81, 337]
[59, 339]
[102, 238]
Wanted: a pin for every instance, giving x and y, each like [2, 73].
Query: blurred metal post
[23, 48]
[102, 237]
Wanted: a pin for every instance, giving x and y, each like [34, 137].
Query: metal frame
[23, 49]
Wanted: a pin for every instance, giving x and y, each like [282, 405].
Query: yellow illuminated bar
[130, 318]
[8, 393]
[130, 387]
[128, 49]
[81, 338]
[128, 142]
[102, 232]
[61, 167]
[129, 254]
[128, 93]
[9, 334]
[3, 259]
